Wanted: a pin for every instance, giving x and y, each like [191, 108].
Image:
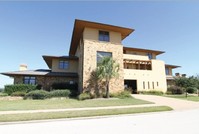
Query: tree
[106, 70]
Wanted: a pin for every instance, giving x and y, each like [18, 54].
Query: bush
[175, 90]
[66, 85]
[3, 94]
[121, 95]
[60, 93]
[191, 90]
[1, 89]
[37, 95]
[18, 93]
[84, 96]
[153, 92]
[9, 89]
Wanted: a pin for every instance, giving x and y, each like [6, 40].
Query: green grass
[66, 103]
[75, 114]
[189, 98]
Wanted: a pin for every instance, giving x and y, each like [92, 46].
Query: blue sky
[29, 30]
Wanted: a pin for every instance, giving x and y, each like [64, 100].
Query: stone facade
[45, 82]
[90, 61]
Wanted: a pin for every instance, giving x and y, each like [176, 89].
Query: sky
[29, 30]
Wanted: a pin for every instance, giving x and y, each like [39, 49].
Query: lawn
[189, 98]
[6, 105]
[85, 113]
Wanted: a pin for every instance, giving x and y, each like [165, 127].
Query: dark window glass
[63, 64]
[29, 80]
[101, 55]
[104, 36]
[150, 55]
[167, 71]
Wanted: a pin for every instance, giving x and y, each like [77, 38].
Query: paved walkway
[176, 104]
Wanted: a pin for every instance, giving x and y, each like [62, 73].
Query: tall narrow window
[63, 64]
[157, 84]
[167, 71]
[148, 85]
[29, 80]
[104, 36]
[101, 55]
[153, 85]
[143, 85]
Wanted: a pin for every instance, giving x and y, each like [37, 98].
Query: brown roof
[143, 50]
[79, 26]
[171, 66]
[40, 72]
[48, 59]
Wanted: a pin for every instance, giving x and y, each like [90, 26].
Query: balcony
[135, 57]
[137, 64]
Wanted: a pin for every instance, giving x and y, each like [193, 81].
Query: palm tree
[107, 69]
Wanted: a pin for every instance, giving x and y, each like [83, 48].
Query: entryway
[132, 85]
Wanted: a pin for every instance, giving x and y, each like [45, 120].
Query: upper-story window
[63, 64]
[104, 36]
[167, 71]
[29, 80]
[150, 55]
[101, 55]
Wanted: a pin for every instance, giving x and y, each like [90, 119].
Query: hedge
[60, 93]
[37, 95]
[9, 89]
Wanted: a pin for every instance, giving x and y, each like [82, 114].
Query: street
[180, 122]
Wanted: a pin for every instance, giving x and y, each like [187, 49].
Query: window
[104, 36]
[143, 85]
[150, 55]
[63, 64]
[29, 80]
[157, 84]
[153, 85]
[101, 55]
[148, 85]
[167, 71]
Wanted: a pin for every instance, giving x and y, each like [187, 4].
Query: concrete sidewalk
[75, 109]
[176, 104]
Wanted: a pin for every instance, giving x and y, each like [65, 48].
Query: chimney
[184, 75]
[23, 67]
[177, 74]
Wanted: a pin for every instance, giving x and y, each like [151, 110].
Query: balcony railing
[137, 64]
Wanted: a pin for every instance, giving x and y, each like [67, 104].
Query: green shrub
[3, 94]
[152, 92]
[9, 89]
[121, 95]
[191, 90]
[37, 95]
[1, 89]
[19, 93]
[175, 90]
[84, 96]
[60, 93]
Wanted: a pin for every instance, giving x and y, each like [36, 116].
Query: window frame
[104, 36]
[102, 53]
[63, 64]
[29, 80]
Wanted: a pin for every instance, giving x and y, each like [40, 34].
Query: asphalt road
[179, 122]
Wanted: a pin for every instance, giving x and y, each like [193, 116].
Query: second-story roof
[81, 24]
[48, 59]
[143, 50]
[171, 66]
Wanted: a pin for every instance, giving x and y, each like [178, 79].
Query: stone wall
[90, 61]
[45, 82]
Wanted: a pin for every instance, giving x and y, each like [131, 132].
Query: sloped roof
[79, 26]
[40, 72]
[48, 59]
[157, 52]
[171, 66]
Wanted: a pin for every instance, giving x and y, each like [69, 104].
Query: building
[139, 68]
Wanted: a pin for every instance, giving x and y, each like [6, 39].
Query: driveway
[176, 104]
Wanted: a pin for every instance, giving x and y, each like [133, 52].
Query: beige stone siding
[45, 82]
[73, 66]
[90, 61]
